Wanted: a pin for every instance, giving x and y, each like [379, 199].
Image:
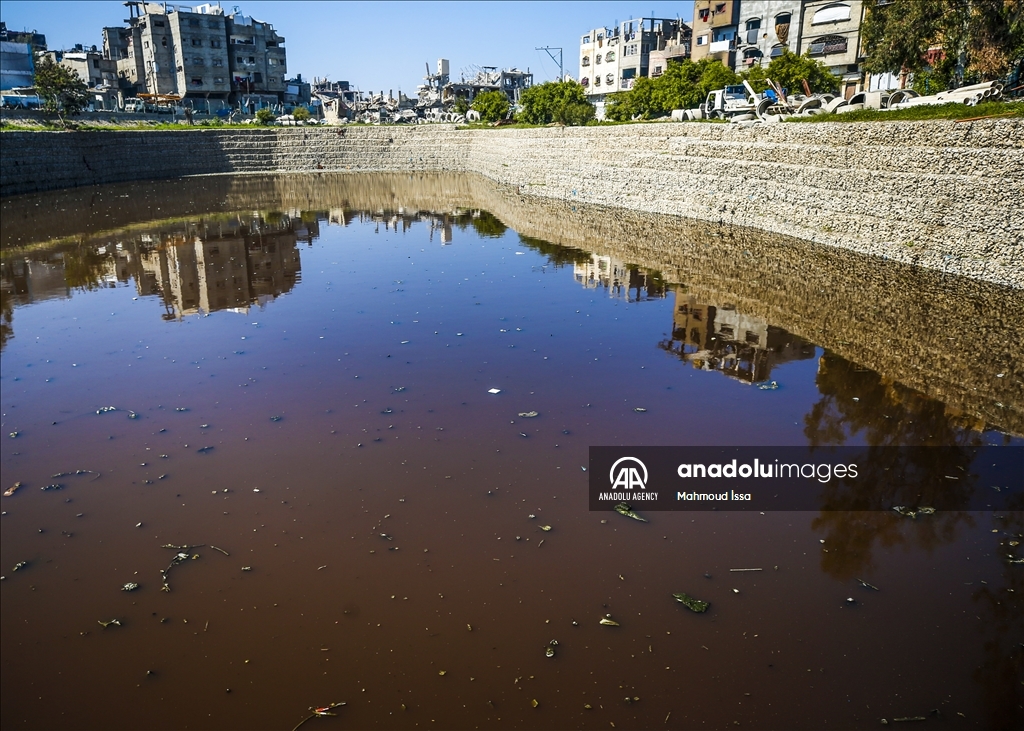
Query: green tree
[461, 105]
[62, 90]
[264, 116]
[301, 114]
[980, 39]
[790, 70]
[684, 85]
[492, 105]
[555, 101]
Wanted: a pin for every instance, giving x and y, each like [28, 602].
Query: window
[753, 30]
[163, 42]
[657, 71]
[719, 8]
[585, 82]
[609, 79]
[238, 60]
[585, 61]
[828, 44]
[257, 77]
[586, 39]
[196, 81]
[95, 63]
[599, 57]
[193, 22]
[212, 24]
[218, 79]
[215, 43]
[610, 56]
[197, 41]
[597, 81]
[777, 51]
[704, 15]
[217, 62]
[252, 59]
[271, 44]
[783, 18]
[273, 79]
[158, 24]
[702, 40]
[145, 44]
[831, 14]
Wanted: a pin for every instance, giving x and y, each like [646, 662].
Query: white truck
[729, 102]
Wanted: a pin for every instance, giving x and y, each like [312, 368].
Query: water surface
[296, 370]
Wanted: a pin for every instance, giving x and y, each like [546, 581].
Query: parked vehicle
[728, 102]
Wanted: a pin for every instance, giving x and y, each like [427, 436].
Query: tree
[980, 39]
[461, 105]
[790, 70]
[264, 116]
[684, 84]
[62, 90]
[555, 101]
[301, 114]
[492, 105]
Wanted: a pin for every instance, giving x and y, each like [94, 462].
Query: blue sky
[381, 45]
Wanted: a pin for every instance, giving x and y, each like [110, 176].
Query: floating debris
[130, 586]
[625, 509]
[770, 386]
[549, 651]
[12, 489]
[739, 570]
[110, 623]
[20, 565]
[690, 603]
[106, 409]
[866, 585]
[179, 558]
[181, 408]
[247, 568]
[14, 434]
[607, 621]
[204, 450]
[221, 550]
[545, 528]
[494, 390]
[640, 410]
[54, 486]
[528, 414]
[132, 415]
[318, 712]
[535, 703]
[912, 513]
[276, 418]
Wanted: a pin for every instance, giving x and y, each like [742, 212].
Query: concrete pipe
[812, 103]
[472, 116]
[761, 110]
[835, 104]
[743, 118]
[849, 108]
[859, 98]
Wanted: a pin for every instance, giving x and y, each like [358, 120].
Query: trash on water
[607, 621]
[866, 585]
[12, 489]
[640, 410]
[624, 509]
[535, 703]
[130, 586]
[769, 386]
[739, 570]
[549, 651]
[247, 568]
[276, 418]
[106, 409]
[317, 712]
[112, 622]
[20, 565]
[494, 390]
[204, 450]
[912, 513]
[180, 557]
[695, 605]
[528, 414]
[545, 528]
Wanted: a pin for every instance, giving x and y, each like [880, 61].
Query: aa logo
[628, 473]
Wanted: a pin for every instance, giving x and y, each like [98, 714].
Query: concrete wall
[940, 195]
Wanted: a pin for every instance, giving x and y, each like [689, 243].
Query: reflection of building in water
[716, 337]
[621, 280]
[223, 267]
[23, 282]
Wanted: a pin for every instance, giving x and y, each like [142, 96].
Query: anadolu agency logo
[628, 476]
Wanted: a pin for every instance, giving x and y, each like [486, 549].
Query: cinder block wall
[936, 194]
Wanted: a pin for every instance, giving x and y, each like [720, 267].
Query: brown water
[299, 370]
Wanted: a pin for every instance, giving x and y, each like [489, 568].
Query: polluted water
[279, 452]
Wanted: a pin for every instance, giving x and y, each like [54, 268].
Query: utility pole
[548, 50]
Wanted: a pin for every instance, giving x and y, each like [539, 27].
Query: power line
[548, 50]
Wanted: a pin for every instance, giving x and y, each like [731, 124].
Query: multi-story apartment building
[197, 54]
[766, 28]
[830, 32]
[611, 59]
[715, 27]
[90, 65]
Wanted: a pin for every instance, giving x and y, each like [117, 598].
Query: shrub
[264, 116]
[492, 105]
[301, 114]
[555, 101]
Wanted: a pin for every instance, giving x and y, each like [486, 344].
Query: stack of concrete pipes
[969, 95]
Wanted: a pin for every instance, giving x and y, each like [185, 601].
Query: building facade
[830, 33]
[197, 54]
[715, 27]
[766, 28]
[612, 59]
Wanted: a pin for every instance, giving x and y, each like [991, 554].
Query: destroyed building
[197, 53]
[440, 90]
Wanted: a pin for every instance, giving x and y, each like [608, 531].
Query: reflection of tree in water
[85, 266]
[559, 256]
[1001, 615]
[859, 404]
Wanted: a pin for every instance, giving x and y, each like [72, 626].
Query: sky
[381, 45]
